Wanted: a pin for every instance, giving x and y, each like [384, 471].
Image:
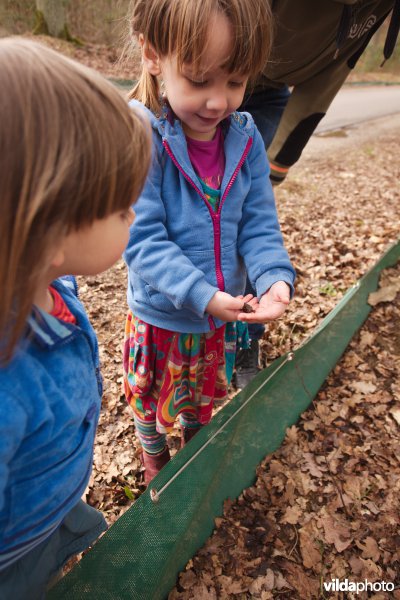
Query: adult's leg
[266, 107]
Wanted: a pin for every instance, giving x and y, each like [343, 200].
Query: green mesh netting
[142, 553]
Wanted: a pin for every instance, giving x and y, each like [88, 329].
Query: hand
[228, 308]
[271, 306]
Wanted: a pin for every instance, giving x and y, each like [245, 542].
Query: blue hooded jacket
[180, 251]
[50, 394]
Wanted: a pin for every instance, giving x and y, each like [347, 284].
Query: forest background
[99, 32]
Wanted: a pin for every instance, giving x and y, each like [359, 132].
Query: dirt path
[348, 138]
[360, 104]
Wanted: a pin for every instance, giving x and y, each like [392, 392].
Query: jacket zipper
[216, 217]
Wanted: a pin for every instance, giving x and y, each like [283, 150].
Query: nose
[218, 101]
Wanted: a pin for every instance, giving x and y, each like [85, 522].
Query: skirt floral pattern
[168, 373]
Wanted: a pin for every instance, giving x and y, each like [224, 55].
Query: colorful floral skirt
[168, 373]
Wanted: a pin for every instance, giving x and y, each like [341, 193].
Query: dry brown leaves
[110, 61]
[326, 503]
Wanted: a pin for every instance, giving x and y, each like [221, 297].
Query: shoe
[247, 364]
[187, 433]
[153, 463]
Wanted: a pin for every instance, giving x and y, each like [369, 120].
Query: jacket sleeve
[156, 259]
[307, 105]
[260, 238]
[12, 427]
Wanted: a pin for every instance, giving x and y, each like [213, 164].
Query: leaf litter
[326, 504]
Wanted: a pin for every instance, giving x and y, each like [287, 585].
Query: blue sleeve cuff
[199, 296]
[268, 279]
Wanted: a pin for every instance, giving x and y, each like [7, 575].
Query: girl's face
[96, 247]
[88, 251]
[202, 100]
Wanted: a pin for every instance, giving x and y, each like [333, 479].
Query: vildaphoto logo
[345, 585]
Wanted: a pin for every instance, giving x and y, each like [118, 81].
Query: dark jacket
[316, 44]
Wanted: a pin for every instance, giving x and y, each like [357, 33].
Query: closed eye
[197, 83]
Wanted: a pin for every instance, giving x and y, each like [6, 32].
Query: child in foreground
[73, 158]
[206, 214]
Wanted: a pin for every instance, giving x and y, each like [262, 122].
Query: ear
[58, 257]
[150, 58]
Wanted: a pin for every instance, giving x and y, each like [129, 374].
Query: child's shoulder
[157, 122]
[244, 125]
[141, 107]
[149, 114]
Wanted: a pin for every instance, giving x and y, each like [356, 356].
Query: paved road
[355, 104]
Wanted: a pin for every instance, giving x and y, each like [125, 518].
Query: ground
[326, 503]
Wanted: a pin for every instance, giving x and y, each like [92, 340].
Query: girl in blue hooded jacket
[73, 158]
[206, 214]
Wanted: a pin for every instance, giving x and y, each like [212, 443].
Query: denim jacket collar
[47, 330]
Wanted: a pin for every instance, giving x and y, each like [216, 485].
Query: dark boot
[247, 364]
[187, 433]
[153, 463]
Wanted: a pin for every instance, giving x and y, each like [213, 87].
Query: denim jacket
[50, 395]
[180, 251]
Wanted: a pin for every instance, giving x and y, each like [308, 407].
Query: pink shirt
[208, 158]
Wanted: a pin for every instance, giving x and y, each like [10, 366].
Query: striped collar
[47, 330]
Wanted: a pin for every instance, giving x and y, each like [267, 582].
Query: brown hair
[181, 27]
[71, 152]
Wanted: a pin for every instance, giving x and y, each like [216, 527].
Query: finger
[254, 302]
[264, 314]
[247, 297]
[282, 297]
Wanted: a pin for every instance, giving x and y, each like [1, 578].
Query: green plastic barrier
[141, 555]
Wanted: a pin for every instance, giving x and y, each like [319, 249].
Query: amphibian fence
[141, 555]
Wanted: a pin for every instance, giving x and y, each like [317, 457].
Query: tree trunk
[51, 18]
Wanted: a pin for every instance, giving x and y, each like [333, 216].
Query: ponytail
[147, 91]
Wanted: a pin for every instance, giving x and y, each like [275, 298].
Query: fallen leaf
[384, 294]
[310, 551]
[292, 515]
[364, 387]
[263, 583]
[369, 548]
[395, 412]
[336, 533]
